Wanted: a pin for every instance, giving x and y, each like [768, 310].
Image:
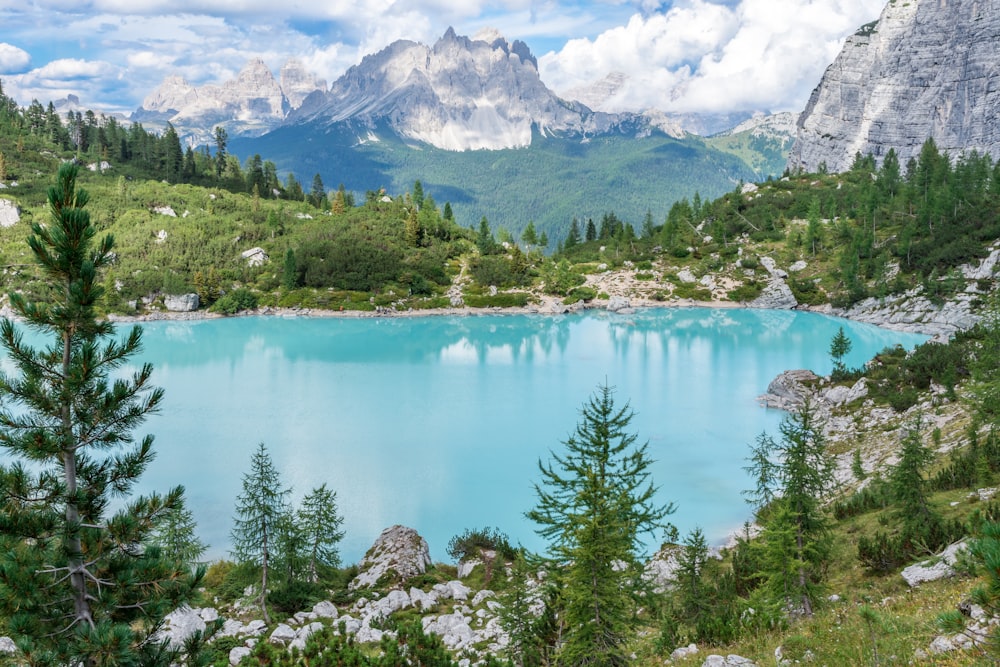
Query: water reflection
[439, 422]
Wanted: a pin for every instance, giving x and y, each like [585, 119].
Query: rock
[423, 600]
[181, 303]
[282, 635]
[777, 295]
[391, 603]
[101, 166]
[834, 598]
[941, 644]
[684, 652]
[789, 390]
[940, 567]
[727, 661]
[304, 633]
[7, 646]
[208, 614]
[180, 624]
[924, 69]
[165, 210]
[10, 213]
[798, 266]
[685, 276]
[748, 188]
[457, 301]
[454, 590]
[351, 624]
[453, 629]
[661, 569]
[618, 304]
[255, 256]
[325, 609]
[237, 653]
[368, 635]
[399, 553]
[466, 566]
[986, 494]
[482, 596]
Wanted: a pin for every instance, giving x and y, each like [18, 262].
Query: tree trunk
[263, 582]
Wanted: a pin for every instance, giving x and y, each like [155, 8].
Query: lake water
[439, 422]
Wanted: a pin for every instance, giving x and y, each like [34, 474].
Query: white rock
[255, 256]
[684, 652]
[368, 635]
[482, 595]
[237, 653]
[181, 303]
[465, 567]
[931, 570]
[7, 646]
[617, 304]
[941, 644]
[10, 214]
[798, 266]
[453, 629]
[398, 549]
[727, 661]
[282, 635]
[304, 633]
[685, 276]
[180, 624]
[391, 603]
[325, 609]
[454, 590]
[208, 614]
[351, 624]
[164, 210]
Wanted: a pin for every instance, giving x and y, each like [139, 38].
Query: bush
[233, 302]
[746, 292]
[472, 541]
[500, 300]
[295, 596]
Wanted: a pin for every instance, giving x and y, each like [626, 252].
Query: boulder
[684, 652]
[165, 210]
[303, 634]
[940, 567]
[788, 390]
[399, 553]
[255, 256]
[423, 600]
[454, 629]
[454, 590]
[391, 603]
[727, 661]
[237, 653]
[777, 295]
[685, 276]
[180, 624]
[7, 646]
[325, 609]
[181, 303]
[283, 635]
[618, 303]
[10, 214]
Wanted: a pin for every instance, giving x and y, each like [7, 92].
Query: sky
[682, 56]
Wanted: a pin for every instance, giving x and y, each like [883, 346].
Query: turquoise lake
[439, 422]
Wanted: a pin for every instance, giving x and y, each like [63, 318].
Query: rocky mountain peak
[173, 94]
[926, 68]
[461, 94]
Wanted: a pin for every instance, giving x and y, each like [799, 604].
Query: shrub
[233, 302]
[746, 292]
[500, 300]
[294, 596]
[472, 541]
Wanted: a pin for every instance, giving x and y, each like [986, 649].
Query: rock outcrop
[10, 214]
[940, 567]
[926, 68]
[181, 303]
[399, 553]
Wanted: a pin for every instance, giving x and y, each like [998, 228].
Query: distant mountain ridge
[925, 68]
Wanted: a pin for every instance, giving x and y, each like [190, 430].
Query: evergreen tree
[543, 240]
[573, 237]
[594, 504]
[529, 235]
[175, 535]
[484, 239]
[793, 476]
[590, 233]
[320, 523]
[221, 140]
[418, 193]
[648, 229]
[259, 509]
[75, 587]
[317, 195]
[290, 271]
[448, 214]
[840, 346]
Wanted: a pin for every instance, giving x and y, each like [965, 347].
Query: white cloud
[13, 59]
[705, 56]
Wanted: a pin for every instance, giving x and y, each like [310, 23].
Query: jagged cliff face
[252, 103]
[926, 68]
[460, 94]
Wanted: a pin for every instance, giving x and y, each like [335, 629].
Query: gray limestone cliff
[925, 68]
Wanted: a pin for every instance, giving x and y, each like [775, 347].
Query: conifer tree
[840, 346]
[259, 510]
[594, 504]
[175, 535]
[320, 524]
[76, 587]
[793, 476]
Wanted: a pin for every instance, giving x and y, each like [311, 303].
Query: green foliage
[474, 540]
[74, 587]
[499, 300]
[984, 550]
[840, 346]
[792, 478]
[595, 501]
[174, 534]
[259, 510]
[320, 522]
[234, 301]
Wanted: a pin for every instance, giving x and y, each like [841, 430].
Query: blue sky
[686, 55]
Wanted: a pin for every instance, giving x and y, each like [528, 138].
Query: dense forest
[80, 582]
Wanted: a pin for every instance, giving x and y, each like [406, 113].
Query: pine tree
[529, 235]
[290, 271]
[840, 346]
[573, 237]
[175, 535]
[75, 587]
[259, 509]
[793, 476]
[594, 504]
[320, 524]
